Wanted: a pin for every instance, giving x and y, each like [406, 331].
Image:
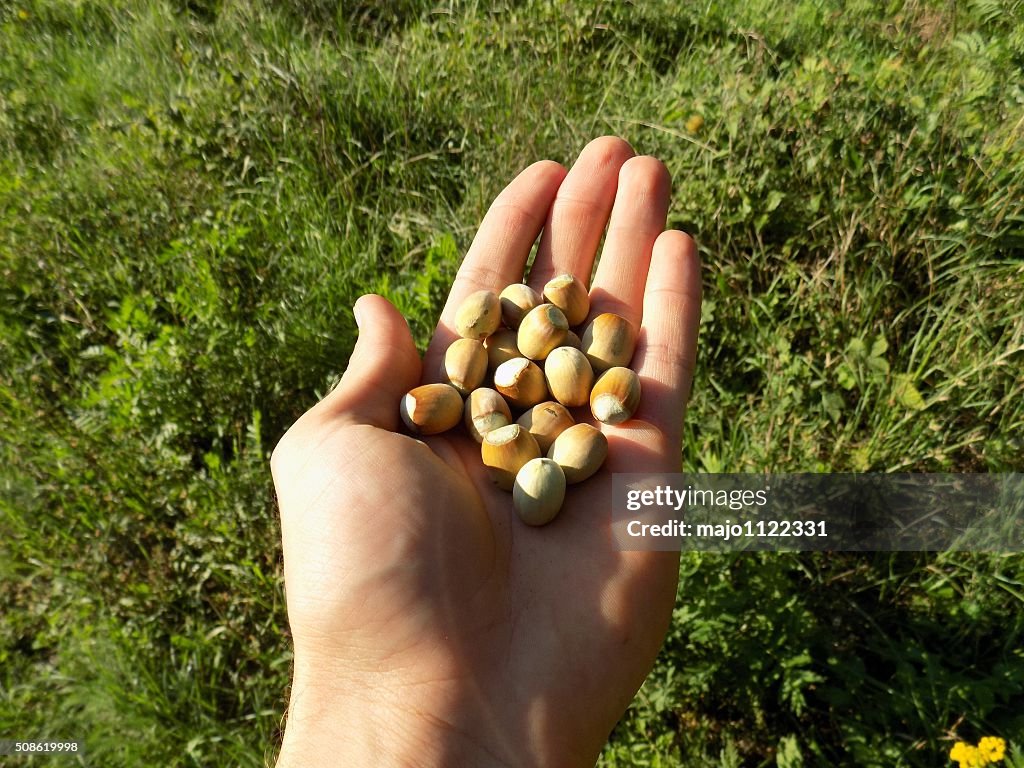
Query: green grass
[193, 194]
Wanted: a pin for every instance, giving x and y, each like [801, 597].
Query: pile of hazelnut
[539, 368]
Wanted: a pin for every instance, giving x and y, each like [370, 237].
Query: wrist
[360, 725]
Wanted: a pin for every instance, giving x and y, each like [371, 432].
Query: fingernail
[355, 314]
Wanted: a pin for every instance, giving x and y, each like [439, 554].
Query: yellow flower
[23, 14]
[992, 749]
[966, 755]
[694, 123]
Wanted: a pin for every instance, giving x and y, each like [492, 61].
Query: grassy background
[193, 193]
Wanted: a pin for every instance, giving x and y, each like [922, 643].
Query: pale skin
[431, 627]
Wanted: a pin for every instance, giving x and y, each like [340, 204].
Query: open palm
[431, 627]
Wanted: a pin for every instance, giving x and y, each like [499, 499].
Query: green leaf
[879, 366]
[832, 403]
[879, 346]
[789, 754]
[845, 377]
[729, 757]
[906, 393]
[860, 459]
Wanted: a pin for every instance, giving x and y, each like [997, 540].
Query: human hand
[431, 627]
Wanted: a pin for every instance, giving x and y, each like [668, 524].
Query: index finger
[667, 347]
[500, 249]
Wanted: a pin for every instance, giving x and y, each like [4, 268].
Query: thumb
[383, 367]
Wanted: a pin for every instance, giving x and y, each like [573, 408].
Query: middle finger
[638, 218]
[580, 211]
